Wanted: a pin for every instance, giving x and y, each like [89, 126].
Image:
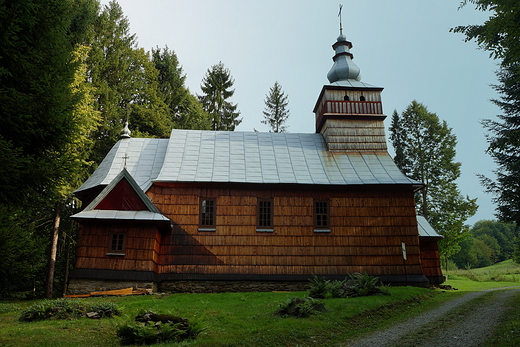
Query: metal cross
[340, 24]
[125, 158]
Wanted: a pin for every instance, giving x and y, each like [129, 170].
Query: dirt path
[449, 324]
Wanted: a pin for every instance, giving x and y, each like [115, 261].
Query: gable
[122, 197]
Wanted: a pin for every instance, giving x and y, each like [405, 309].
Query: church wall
[367, 228]
[140, 250]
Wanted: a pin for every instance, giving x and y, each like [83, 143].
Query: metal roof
[144, 161]
[256, 157]
[243, 157]
[425, 229]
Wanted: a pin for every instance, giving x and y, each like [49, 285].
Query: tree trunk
[53, 252]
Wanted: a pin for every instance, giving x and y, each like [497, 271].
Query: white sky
[402, 45]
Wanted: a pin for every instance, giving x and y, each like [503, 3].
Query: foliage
[489, 242]
[426, 148]
[154, 328]
[185, 110]
[22, 249]
[276, 112]
[500, 36]
[37, 69]
[125, 82]
[67, 309]
[299, 307]
[216, 86]
[355, 284]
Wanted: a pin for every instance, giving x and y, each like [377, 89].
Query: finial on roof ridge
[125, 133]
[340, 23]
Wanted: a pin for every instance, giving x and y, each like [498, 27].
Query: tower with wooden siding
[220, 208]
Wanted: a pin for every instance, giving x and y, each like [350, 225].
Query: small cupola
[125, 133]
[343, 68]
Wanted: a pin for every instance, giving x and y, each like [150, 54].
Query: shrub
[299, 307]
[151, 328]
[68, 309]
[356, 284]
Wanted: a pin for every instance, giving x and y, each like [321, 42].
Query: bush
[354, 285]
[68, 309]
[151, 328]
[299, 307]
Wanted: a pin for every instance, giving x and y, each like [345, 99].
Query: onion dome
[125, 133]
[343, 68]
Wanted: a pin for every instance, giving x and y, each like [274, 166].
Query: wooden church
[218, 210]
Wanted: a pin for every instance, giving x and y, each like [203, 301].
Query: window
[117, 244]
[321, 216]
[207, 215]
[264, 216]
[346, 98]
[362, 98]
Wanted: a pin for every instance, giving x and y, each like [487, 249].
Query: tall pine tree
[276, 112]
[427, 151]
[216, 86]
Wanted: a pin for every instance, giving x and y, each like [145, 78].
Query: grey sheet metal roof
[145, 159]
[243, 157]
[121, 215]
[425, 229]
[256, 157]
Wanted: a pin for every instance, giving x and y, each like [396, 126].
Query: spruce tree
[276, 112]
[216, 86]
[185, 111]
[500, 36]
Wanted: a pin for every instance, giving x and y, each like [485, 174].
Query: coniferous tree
[500, 36]
[185, 110]
[276, 112]
[428, 152]
[125, 82]
[45, 114]
[216, 86]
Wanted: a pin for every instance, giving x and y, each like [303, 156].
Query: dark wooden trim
[290, 186]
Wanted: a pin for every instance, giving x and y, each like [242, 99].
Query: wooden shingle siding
[367, 228]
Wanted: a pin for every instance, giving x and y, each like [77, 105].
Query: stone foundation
[230, 286]
[86, 286]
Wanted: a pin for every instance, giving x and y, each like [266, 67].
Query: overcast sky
[402, 45]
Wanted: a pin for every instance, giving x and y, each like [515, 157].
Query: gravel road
[471, 329]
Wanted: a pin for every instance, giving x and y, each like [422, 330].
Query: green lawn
[249, 319]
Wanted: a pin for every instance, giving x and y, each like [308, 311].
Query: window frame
[259, 216]
[318, 217]
[203, 218]
[116, 251]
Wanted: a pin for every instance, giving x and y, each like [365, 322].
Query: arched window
[362, 98]
[346, 98]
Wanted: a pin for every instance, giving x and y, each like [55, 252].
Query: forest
[72, 74]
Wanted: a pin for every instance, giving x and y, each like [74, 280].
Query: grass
[504, 274]
[249, 319]
[230, 319]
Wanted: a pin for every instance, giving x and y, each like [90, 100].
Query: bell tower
[349, 112]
